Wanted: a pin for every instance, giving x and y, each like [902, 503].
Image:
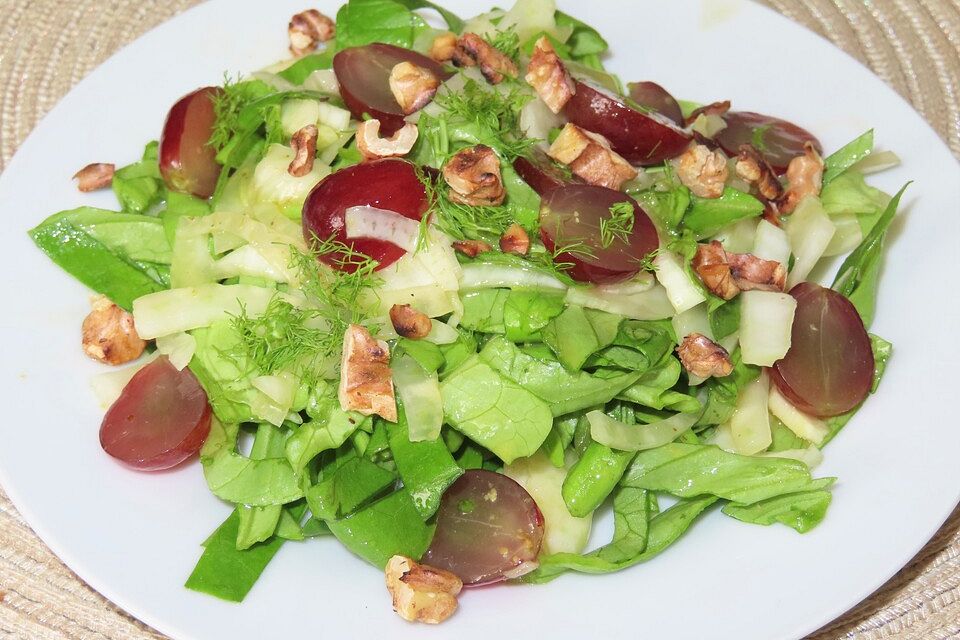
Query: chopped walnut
[752, 167]
[804, 178]
[444, 47]
[547, 75]
[471, 248]
[307, 29]
[366, 384]
[711, 265]
[474, 177]
[409, 323]
[712, 109]
[98, 175]
[109, 334]
[703, 171]
[473, 50]
[412, 86]
[304, 145]
[421, 593]
[726, 274]
[372, 146]
[703, 357]
[590, 157]
[515, 240]
[750, 272]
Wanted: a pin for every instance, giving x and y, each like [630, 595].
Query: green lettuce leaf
[361, 22]
[847, 156]
[139, 186]
[578, 333]
[707, 216]
[801, 511]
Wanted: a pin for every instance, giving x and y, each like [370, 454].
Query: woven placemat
[47, 46]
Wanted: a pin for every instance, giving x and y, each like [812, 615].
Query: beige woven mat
[46, 46]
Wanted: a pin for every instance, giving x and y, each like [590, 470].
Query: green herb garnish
[619, 225]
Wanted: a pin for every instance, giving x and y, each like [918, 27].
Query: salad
[442, 293]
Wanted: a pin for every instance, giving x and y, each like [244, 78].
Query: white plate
[135, 537]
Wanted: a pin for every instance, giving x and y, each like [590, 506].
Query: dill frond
[619, 225]
[507, 43]
[461, 221]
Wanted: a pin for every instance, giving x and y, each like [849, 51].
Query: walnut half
[515, 240]
[726, 274]
[703, 171]
[372, 146]
[412, 86]
[307, 29]
[703, 357]
[366, 383]
[472, 50]
[474, 177]
[752, 167]
[549, 78]
[804, 178]
[590, 157]
[109, 334]
[421, 593]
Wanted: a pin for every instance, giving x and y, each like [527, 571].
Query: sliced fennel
[488, 275]
[637, 437]
[771, 243]
[750, 423]
[178, 347]
[766, 320]
[681, 291]
[803, 425]
[419, 391]
[563, 533]
[810, 231]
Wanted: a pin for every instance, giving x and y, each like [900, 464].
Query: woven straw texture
[47, 46]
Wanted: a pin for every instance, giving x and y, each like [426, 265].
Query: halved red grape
[653, 96]
[391, 184]
[542, 173]
[778, 141]
[572, 215]
[161, 418]
[829, 367]
[188, 163]
[364, 77]
[488, 527]
[641, 138]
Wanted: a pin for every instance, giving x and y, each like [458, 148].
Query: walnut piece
[750, 272]
[307, 29]
[711, 265]
[366, 384]
[703, 171]
[412, 86]
[549, 78]
[474, 177]
[473, 50]
[444, 47]
[421, 593]
[703, 357]
[409, 323]
[752, 167]
[109, 334]
[515, 240]
[712, 109]
[471, 248]
[98, 175]
[726, 274]
[372, 146]
[590, 157]
[304, 145]
[804, 178]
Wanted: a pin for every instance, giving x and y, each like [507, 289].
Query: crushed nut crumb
[444, 47]
[515, 240]
[98, 175]
[549, 78]
[409, 323]
[752, 168]
[473, 50]
[471, 248]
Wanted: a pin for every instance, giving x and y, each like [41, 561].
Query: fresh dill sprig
[496, 113]
[229, 102]
[507, 43]
[646, 263]
[336, 291]
[619, 225]
[284, 338]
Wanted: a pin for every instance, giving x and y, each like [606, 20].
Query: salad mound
[442, 293]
